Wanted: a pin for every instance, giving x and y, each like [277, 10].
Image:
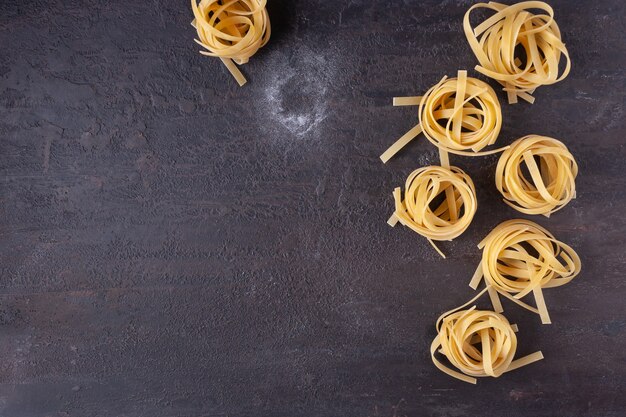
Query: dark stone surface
[174, 245]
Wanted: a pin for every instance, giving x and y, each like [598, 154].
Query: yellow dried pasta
[497, 42]
[458, 115]
[232, 30]
[424, 187]
[520, 257]
[552, 176]
[479, 343]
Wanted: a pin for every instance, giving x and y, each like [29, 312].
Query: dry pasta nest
[518, 48]
[520, 257]
[458, 115]
[479, 343]
[461, 115]
[439, 203]
[231, 30]
[536, 175]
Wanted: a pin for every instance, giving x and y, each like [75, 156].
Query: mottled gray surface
[174, 245]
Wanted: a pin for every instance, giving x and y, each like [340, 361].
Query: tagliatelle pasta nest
[438, 203]
[552, 170]
[499, 40]
[458, 115]
[232, 30]
[479, 343]
[520, 257]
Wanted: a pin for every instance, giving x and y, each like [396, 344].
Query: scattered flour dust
[295, 99]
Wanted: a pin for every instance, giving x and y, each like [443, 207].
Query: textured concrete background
[174, 245]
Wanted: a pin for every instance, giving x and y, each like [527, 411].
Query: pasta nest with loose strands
[552, 170]
[458, 115]
[232, 30]
[520, 257]
[498, 43]
[439, 203]
[479, 343]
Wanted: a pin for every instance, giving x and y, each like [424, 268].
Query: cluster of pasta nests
[519, 258]
[535, 175]
[462, 115]
[521, 50]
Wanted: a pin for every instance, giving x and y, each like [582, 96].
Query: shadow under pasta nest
[282, 19]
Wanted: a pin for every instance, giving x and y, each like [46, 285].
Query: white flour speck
[296, 100]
